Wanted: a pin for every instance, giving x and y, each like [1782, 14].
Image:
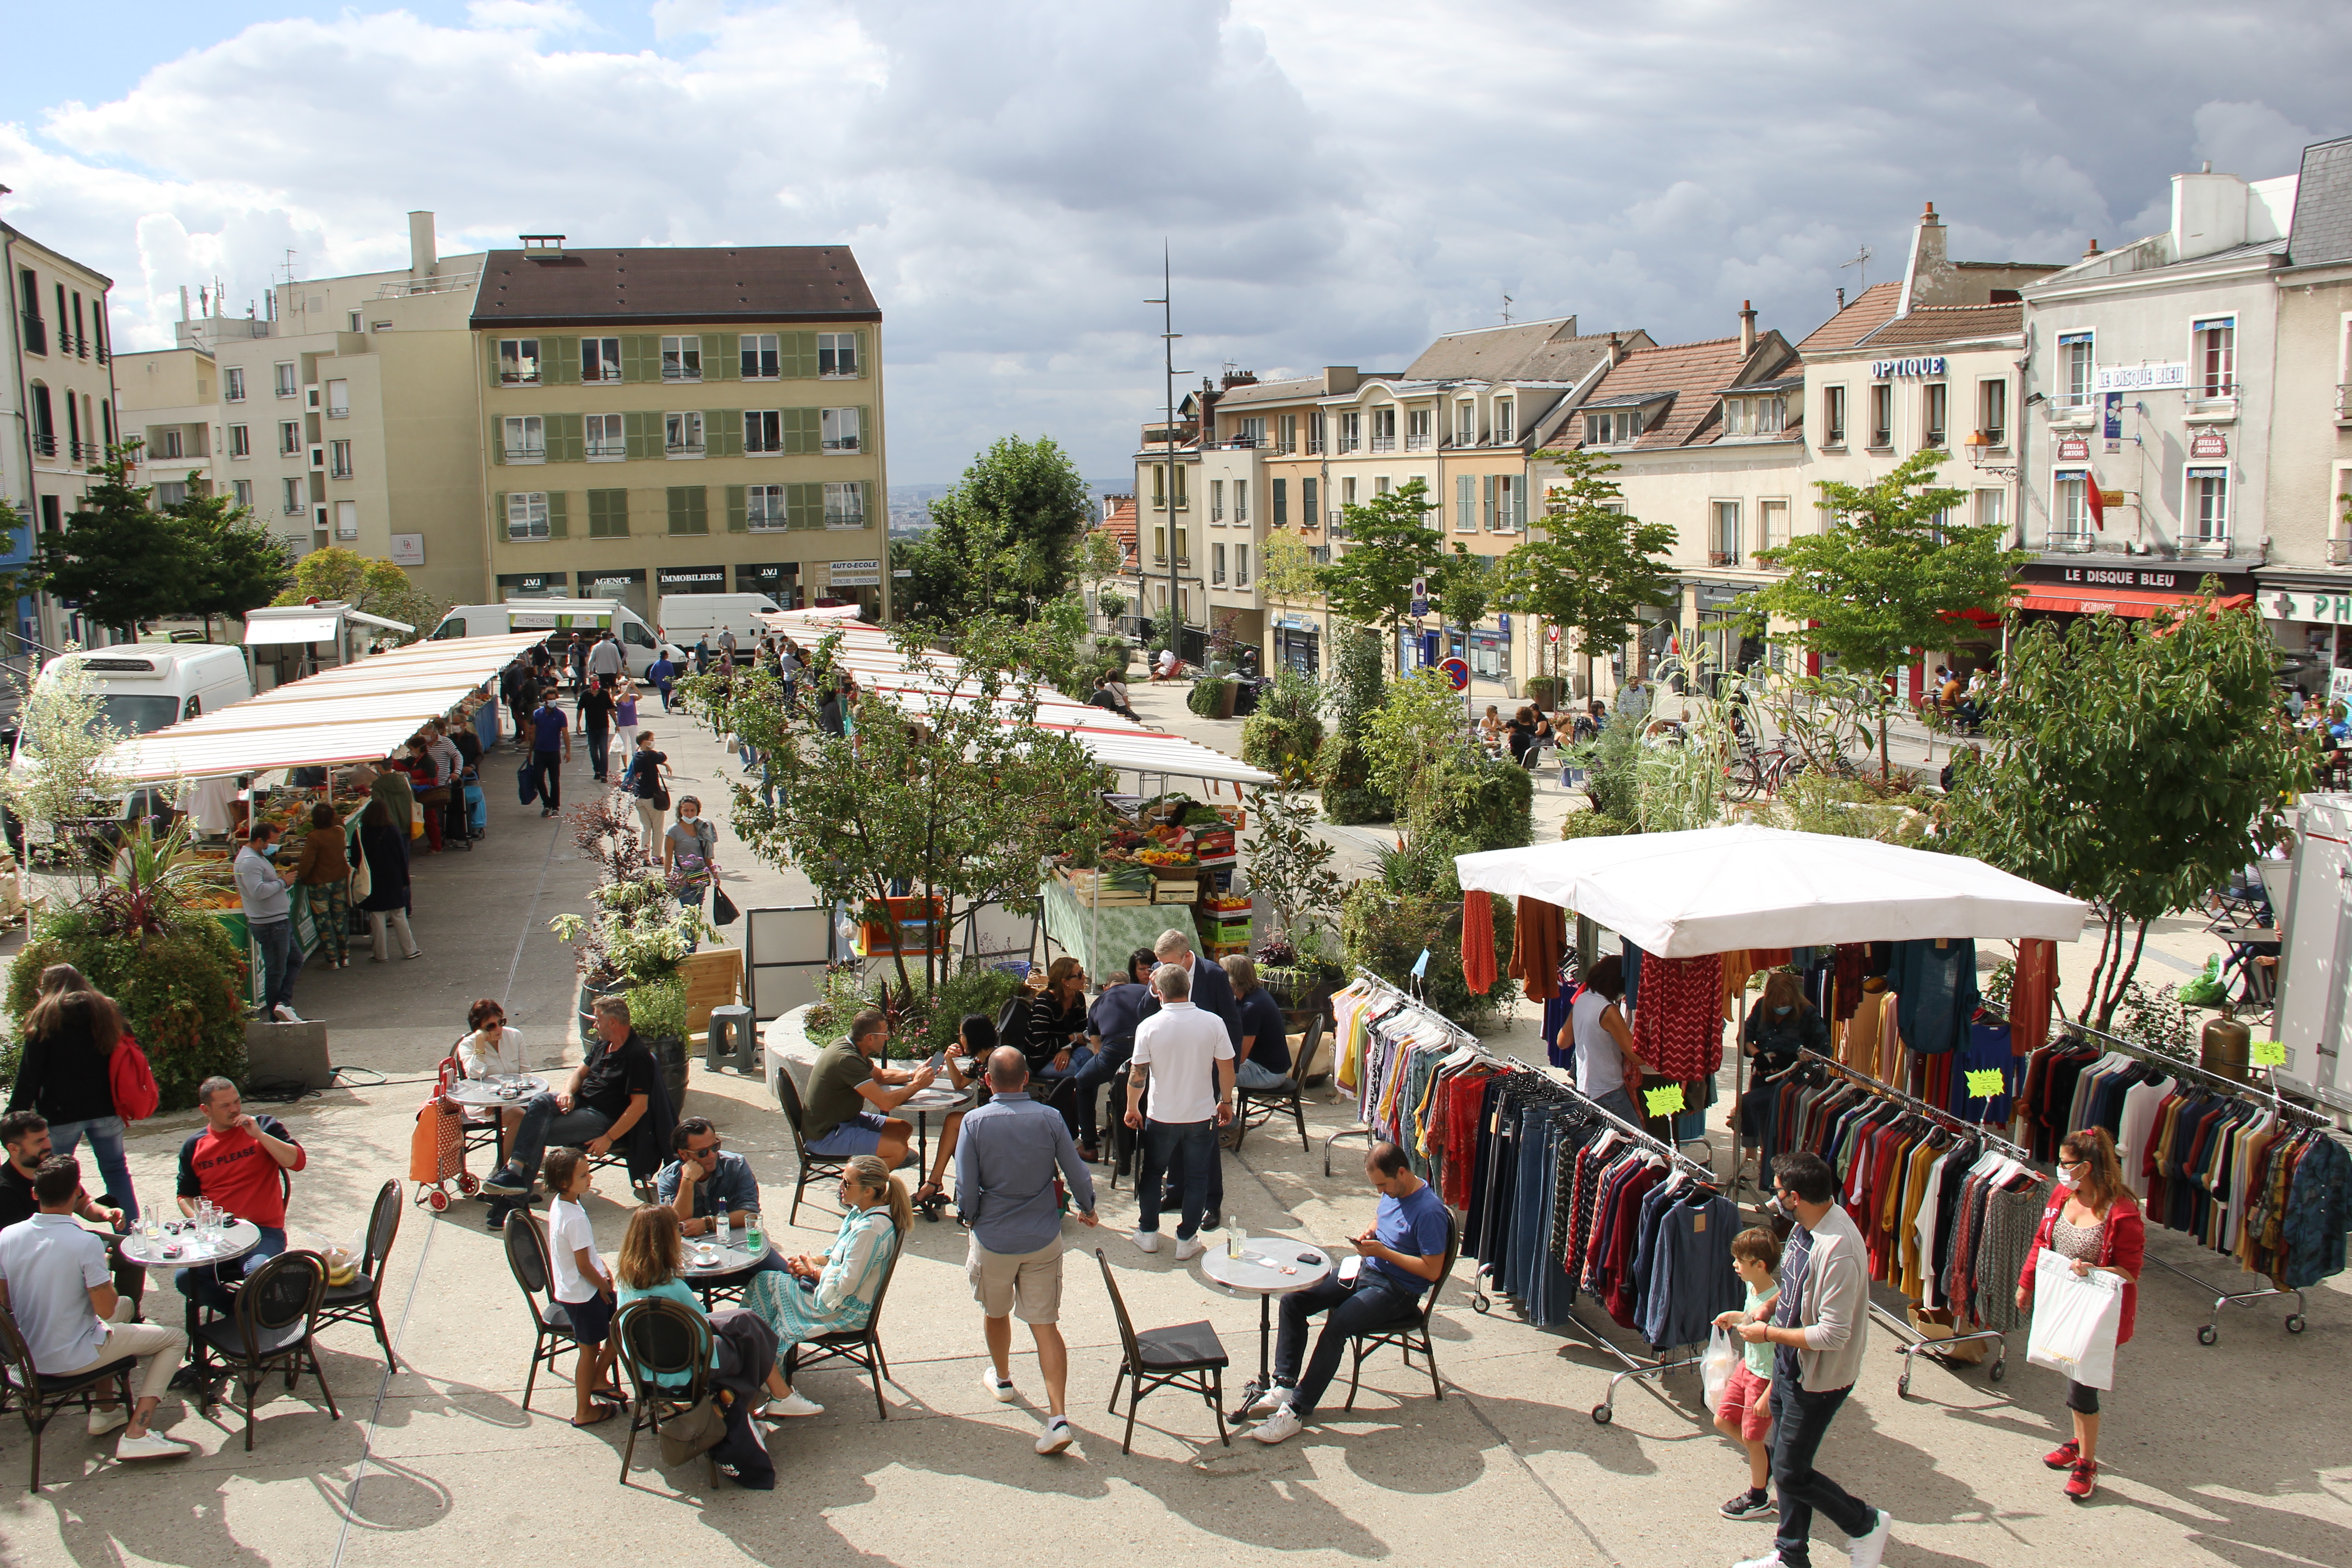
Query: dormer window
[1612, 427]
[1754, 415]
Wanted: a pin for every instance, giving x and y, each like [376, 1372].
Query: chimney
[1841, 299]
[1747, 328]
[1927, 275]
[183, 301]
[423, 255]
[2090, 250]
[1338, 379]
[1616, 349]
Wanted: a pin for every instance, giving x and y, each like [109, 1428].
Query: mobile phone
[939, 1058]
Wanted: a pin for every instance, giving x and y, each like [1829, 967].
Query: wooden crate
[1175, 889]
[714, 978]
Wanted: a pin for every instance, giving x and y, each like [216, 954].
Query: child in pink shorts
[1746, 1415]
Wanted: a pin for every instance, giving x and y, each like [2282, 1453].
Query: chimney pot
[1747, 328]
[2090, 250]
[1930, 216]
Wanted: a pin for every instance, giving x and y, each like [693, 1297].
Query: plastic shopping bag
[2076, 1320]
[1716, 1367]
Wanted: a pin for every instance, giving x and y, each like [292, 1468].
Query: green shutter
[558, 362]
[688, 509]
[1486, 505]
[649, 355]
[633, 363]
[805, 506]
[865, 494]
[558, 526]
[491, 358]
[608, 515]
[641, 435]
[862, 372]
[498, 517]
[796, 356]
[722, 431]
[567, 438]
[722, 357]
[803, 432]
[738, 511]
[865, 427]
[498, 441]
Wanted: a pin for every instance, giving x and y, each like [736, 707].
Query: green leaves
[1388, 545]
[1597, 566]
[1006, 536]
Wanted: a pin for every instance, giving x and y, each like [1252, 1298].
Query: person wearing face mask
[690, 837]
[269, 917]
[2096, 1224]
[1779, 1026]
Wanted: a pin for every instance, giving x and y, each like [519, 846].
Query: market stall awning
[869, 652]
[2101, 602]
[291, 629]
[1718, 889]
[355, 712]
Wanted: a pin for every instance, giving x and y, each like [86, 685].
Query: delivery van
[684, 618]
[556, 614]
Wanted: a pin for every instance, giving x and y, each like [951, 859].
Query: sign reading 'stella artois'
[2209, 444]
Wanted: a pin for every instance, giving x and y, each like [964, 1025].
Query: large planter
[671, 1051]
[586, 1000]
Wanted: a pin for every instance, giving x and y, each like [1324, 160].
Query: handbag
[722, 908]
[525, 785]
[2076, 1320]
[695, 1430]
[660, 798]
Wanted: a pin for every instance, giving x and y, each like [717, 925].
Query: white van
[555, 615]
[143, 687]
[686, 618]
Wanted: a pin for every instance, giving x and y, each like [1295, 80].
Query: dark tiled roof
[615, 288]
[1693, 373]
[1485, 354]
[1947, 323]
[1863, 315]
[2323, 205]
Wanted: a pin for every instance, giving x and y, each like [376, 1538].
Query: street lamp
[1167, 336]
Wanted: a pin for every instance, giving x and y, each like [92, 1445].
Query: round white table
[241, 1238]
[730, 1264]
[510, 1093]
[1269, 1266]
[939, 1100]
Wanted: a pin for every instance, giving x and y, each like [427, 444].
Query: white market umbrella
[1719, 890]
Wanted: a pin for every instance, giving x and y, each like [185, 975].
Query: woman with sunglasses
[2095, 1223]
[834, 1291]
[493, 1050]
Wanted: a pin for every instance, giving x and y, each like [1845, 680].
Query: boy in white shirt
[583, 1286]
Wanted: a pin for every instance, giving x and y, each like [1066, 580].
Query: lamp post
[1167, 336]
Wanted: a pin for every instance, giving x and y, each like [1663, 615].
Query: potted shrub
[657, 1012]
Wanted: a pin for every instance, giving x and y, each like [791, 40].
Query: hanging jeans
[105, 1135]
[1799, 1422]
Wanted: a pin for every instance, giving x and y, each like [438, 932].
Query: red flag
[2098, 504]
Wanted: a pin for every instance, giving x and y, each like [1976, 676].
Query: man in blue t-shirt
[550, 748]
[1403, 1255]
[663, 673]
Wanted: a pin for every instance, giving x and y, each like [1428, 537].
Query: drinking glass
[1236, 1237]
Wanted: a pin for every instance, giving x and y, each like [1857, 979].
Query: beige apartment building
[60, 406]
[669, 421]
[170, 400]
[2305, 586]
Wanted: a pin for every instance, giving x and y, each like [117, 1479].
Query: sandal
[604, 1413]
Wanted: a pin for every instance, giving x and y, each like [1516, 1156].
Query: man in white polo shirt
[1176, 1051]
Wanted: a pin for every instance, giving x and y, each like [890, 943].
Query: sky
[1335, 182]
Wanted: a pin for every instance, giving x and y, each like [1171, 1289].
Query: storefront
[691, 580]
[626, 584]
[780, 580]
[534, 586]
[2310, 614]
[2132, 586]
[1298, 644]
[857, 583]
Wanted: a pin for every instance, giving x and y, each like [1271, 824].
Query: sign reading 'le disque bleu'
[1926, 365]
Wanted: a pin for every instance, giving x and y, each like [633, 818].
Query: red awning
[2097, 601]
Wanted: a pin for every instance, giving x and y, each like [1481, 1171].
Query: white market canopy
[869, 654]
[1719, 890]
[347, 714]
[279, 624]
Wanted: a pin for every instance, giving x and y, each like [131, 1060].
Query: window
[682, 434]
[1281, 503]
[2209, 506]
[1723, 543]
[1772, 523]
[241, 491]
[2069, 510]
[351, 321]
[1315, 428]
[600, 359]
[347, 520]
[1993, 412]
[1935, 400]
[1384, 429]
[1379, 485]
[1241, 565]
[1510, 503]
[606, 441]
[763, 432]
[36, 334]
[339, 400]
[689, 509]
[763, 506]
[681, 358]
[1465, 423]
[841, 430]
[1308, 515]
[167, 440]
[283, 377]
[1216, 501]
[527, 514]
[1183, 500]
[171, 492]
[1253, 433]
[1833, 416]
[518, 362]
[1992, 509]
[1347, 492]
[1241, 500]
[1465, 503]
[1734, 416]
[1507, 428]
[836, 355]
[379, 326]
[240, 441]
[608, 515]
[289, 438]
[844, 505]
[1351, 430]
[2077, 375]
[759, 350]
[1217, 565]
[233, 384]
[1416, 429]
[1160, 489]
[526, 439]
[339, 459]
[1882, 414]
[1289, 440]
[1613, 426]
[2215, 366]
[290, 501]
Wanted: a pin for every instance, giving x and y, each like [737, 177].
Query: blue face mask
[1782, 1012]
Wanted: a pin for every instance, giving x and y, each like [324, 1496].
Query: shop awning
[2100, 602]
[291, 629]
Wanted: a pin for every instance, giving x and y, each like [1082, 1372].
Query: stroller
[436, 1151]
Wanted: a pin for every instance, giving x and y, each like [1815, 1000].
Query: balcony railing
[1417, 443]
[2071, 543]
[2205, 549]
[2339, 552]
[1383, 444]
[2344, 400]
[1723, 558]
[45, 446]
[36, 334]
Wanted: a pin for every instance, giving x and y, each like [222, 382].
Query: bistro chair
[277, 1311]
[40, 1396]
[360, 1302]
[550, 1324]
[660, 1340]
[810, 1165]
[1188, 1356]
[860, 1347]
[1260, 1106]
[1414, 1335]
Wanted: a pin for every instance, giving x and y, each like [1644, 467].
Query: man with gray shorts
[1005, 1163]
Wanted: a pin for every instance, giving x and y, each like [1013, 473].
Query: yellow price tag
[1987, 1082]
[2270, 1053]
[1663, 1101]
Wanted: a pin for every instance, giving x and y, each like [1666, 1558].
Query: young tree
[1290, 866]
[118, 557]
[1596, 568]
[240, 564]
[1101, 556]
[1003, 540]
[1890, 575]
[64, 740]
[1389, 545]
[377, 587]
[2134, 768]
[10, 521]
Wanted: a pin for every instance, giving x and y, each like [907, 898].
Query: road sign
[1457, 672]
[1420, 597]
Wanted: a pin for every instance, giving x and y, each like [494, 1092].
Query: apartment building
[668, 421]
[170, 401]
[59, 400]
[2305, 584]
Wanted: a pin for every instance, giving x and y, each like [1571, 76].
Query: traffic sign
[1420, 597]
[1457, 672]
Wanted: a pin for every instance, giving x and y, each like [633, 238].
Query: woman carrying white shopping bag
[2092, 1223]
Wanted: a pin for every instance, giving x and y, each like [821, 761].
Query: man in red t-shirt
[235, 1162]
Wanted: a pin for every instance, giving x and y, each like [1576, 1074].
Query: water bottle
[755, 1241]
[719, 1236]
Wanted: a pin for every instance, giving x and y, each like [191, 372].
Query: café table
[938, 1099]
[237, 1240]
[1269, 1266]
[728, 1268]
[492, 1095]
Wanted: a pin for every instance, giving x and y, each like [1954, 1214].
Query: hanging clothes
[1478, 941]
[1539, 937]
[1937, 983]
[1678, 1025]
[2033, 987]
[1848, 961]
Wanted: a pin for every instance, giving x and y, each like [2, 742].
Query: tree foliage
[1388, 544]
[377, 587]
[1290, 866]
[118, 558]
[1418, 721]
[65, 740]
[1006, 539]
[1596, 567]
[240, 564]
[2135, 768]
[1343, 766]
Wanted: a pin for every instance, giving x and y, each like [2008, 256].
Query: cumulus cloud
[1337, 182]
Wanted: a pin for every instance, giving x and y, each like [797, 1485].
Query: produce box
[1214, 843]
[1103, 890]
[917, 928]
[1235, 817]
[1176, 890]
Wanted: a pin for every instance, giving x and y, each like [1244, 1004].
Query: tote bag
[2076, 1320]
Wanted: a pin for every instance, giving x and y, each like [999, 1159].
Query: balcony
[45, 446]
[2207, 549]
[2339, 552]
[36, 334]
[1723, 558]
[1417, 443]
[1383, 444]
[2343, 404]
[1314, 446]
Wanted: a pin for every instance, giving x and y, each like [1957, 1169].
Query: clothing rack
[1886, 1090]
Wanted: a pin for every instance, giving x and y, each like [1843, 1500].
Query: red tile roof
[1948, 323]
[1693, 373]
[1120, 524]
[1865, 314]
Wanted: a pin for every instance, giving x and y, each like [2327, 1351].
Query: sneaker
[1272, 1400]
[999, 1389]
[791, 1405]
[2064, 1456]
[1750, 1504]
[1865, 1551]
[1190, 1246]
[102, 1422]
[1770, 1559]
[506, 1181]
[151, 1446]
[1056, 1435]
[2084, 1481]
[286, 1015]
[1145, 1240]
[1283, 1425]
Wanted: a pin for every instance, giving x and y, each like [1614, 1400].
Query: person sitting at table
[235, 1161]
[611, 1090]
[581, 1284]
[1490, 729]
[1262, 1061]
[847, 1095]
[1057, 1047]
[1111, 1032]
[1404, 1253]
[24, 1142]
[832, 1291]
[651, 1256]
[703, 1176]
[492, 1049]
[54, 1283]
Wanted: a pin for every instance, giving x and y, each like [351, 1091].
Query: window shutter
[1487, 503]
[491, 358]
[866, 487]
[649, 355]
[567, 441]
[861, 354]
[738, 513]
[722, 429]
[803, 437]
[498, 517]
[558, 362]
[640, 433]
[633, 363]
[696, 503]
[722, 357]
[796, 356]
[803, 506]
[498, 441]
[608, 515]
[865, 427]
[557, 527]
[677, 509]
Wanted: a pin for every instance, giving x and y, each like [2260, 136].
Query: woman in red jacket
[2093, 1221]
